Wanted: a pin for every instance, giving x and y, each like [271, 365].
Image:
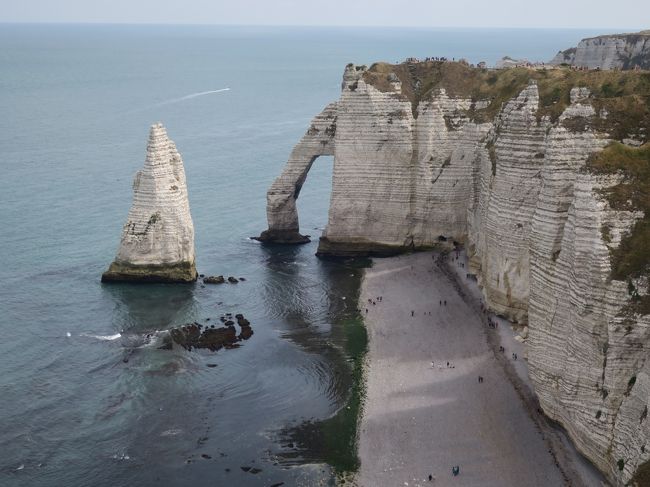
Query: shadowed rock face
[498, 160]
[157, 243]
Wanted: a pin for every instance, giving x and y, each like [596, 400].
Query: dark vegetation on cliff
[632, 257]
[623, 96]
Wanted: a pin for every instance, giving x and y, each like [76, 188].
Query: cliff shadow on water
[332, 440]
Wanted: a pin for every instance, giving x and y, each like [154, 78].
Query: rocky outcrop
[195, 335]
[618, 51]
[157, 243]
[499, 161]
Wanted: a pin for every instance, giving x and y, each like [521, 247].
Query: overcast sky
[619, 14]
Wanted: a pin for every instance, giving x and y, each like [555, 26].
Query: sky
[626, 15]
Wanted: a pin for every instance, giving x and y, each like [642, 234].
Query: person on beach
[412, 313]
[445, 302]
[366, 310]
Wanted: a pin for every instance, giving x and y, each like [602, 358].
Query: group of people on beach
[455, 471]
[374, 302]
[448, 366]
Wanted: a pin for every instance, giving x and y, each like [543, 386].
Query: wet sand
[421, 420]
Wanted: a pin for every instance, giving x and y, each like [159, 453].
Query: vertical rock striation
[617, 51]
[157, 243]
[499, 160]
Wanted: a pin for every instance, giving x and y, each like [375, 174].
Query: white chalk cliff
[617, 51]
[157, 243]
[515, 189]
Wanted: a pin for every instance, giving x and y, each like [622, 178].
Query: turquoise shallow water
[76, 104]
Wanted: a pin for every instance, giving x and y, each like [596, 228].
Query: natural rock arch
[281, 211]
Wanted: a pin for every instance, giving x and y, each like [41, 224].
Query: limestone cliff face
[158, 237]
[620, 51]
[503, 170]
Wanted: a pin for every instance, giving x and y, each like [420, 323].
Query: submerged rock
[157, 243]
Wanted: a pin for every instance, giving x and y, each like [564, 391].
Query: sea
[86, 396]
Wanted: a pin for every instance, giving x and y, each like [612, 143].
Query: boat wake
[189, 97]
[178, 100]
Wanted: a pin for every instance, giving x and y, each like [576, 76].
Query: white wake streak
[103, 337]
[189, 97]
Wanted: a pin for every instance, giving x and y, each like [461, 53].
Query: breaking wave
[104, 337]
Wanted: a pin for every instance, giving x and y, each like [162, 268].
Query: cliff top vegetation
[624, 95]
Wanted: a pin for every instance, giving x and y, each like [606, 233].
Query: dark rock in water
[241, 321]
[278, 484]
[206, 456]
[245, 469]
[246, 333]
[232, 280]
[214, 280]
[211, 365]
[255, 470]
[191, 336]
[242, 278]
[197, 335]
[201, 276]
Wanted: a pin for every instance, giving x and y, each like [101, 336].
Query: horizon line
[630, 30]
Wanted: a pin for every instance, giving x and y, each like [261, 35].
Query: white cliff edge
[157, 243]
[515, 191]
[618, 51]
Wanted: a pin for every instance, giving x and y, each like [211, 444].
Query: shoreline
[420, 420]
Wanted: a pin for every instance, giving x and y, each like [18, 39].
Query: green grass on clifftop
[625, 95]
[632, 257]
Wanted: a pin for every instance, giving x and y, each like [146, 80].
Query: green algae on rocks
[177, 272]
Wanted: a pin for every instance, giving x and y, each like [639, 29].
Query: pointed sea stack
[157, 242]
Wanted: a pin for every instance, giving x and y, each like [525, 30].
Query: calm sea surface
[81, 405]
